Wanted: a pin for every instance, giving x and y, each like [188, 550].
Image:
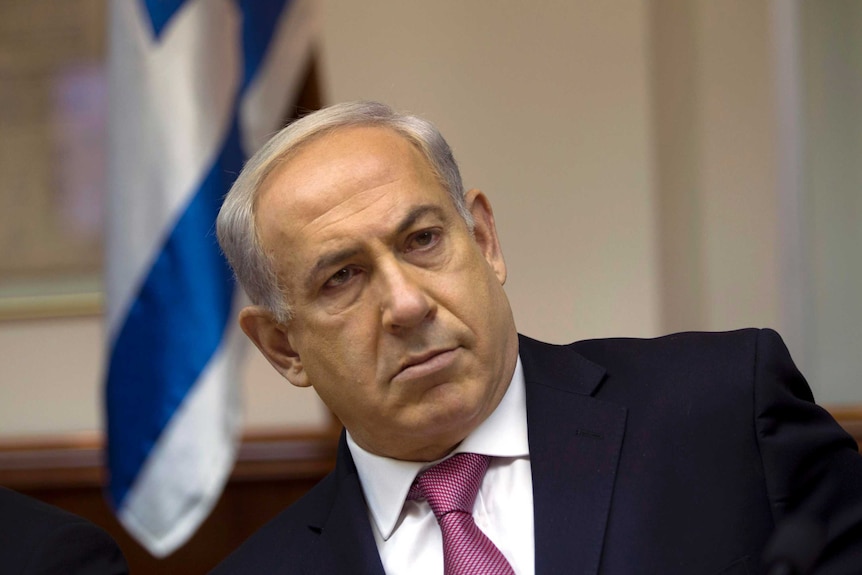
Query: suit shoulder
[37, 535]
[698, 339]
[706, 348]
[278, 544]
[686, 362]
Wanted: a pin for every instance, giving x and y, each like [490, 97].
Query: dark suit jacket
[38, 539]
[675, 455]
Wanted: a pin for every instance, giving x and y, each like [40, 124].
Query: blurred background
[654, 166]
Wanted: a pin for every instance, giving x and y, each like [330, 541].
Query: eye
[423, 240]
[340, 278]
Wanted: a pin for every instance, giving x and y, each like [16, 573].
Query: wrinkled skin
[400, 321]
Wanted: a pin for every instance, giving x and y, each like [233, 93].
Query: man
[378, 281]
[39, 539]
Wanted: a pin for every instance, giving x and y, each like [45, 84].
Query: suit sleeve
[77, 548]
[813, 469]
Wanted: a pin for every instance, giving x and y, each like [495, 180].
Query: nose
[404, 303]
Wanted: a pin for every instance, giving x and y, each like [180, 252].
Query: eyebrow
[336, 257]
[417, 213]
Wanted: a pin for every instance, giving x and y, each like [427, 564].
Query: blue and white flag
[195, 86]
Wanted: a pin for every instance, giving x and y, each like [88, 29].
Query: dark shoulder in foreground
[39, 538]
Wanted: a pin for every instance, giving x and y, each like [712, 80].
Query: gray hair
[236, 225]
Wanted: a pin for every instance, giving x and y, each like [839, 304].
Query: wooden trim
[77, 460]
[28, 307]
[850, 418]
[274, 468]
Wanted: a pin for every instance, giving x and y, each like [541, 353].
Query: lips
[423, 358]
[426, 364]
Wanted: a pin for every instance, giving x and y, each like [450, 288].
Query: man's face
[399, 318]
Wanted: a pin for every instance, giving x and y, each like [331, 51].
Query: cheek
[475, 287]
[338, 349]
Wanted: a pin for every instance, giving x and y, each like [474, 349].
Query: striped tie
[450, 488]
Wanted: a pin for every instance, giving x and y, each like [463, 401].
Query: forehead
[334, 166]
[349, 175]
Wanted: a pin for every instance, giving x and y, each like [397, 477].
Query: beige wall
[627, 148]
[51, 372]
[832, 63]
[715, 118]
[547, 109]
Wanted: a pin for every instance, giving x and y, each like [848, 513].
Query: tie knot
[451, 485]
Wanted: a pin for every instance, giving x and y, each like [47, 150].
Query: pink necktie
[450, 488]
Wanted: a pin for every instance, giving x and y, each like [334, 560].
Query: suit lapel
[575, 442]
[346, 543]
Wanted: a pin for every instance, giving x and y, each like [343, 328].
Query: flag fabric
[195, 86]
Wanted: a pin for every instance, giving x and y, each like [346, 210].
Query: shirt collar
[385, 482]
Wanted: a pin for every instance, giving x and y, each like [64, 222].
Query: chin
[456, 418]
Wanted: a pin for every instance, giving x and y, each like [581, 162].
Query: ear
[271, 338]
[485, 232]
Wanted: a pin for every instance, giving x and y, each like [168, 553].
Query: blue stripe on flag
[161, 12]
[172, 329]
[260, 18]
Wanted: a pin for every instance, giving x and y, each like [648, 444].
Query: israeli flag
[195, 87]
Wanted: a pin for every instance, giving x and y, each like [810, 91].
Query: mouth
[426, 364]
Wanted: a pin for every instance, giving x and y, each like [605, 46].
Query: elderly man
[377, 280]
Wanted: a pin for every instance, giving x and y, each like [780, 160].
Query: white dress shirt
[408, 537]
